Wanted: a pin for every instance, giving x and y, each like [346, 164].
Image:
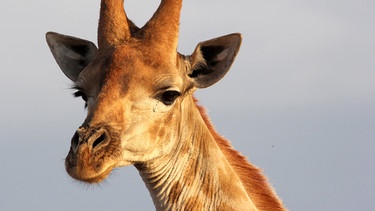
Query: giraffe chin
[87, 172]
[89, 177]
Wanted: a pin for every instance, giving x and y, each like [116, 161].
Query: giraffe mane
[255, 183]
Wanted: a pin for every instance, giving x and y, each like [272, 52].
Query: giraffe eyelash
[80, 93]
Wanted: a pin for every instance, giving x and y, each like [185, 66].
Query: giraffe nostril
[93, 138]
[74, 142]
[99, 140]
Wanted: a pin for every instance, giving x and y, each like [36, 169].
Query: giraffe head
[136, 87]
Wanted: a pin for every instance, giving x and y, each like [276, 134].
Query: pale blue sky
[298, 102]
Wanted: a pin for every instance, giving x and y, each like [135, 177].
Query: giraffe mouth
[88, 172]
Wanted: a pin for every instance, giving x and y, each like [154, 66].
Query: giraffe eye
[80, 94]
[168, 97]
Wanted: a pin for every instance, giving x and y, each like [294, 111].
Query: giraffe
[141, 111]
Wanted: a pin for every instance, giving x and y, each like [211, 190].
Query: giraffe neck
[196, 176]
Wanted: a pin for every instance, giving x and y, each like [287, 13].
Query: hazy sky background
[299, 101]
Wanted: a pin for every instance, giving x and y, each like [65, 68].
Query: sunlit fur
[255, 183]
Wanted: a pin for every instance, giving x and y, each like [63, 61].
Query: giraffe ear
[212, 59]
[71, 54]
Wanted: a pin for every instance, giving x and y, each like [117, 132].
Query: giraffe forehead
[134, 58]
[137, 65]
